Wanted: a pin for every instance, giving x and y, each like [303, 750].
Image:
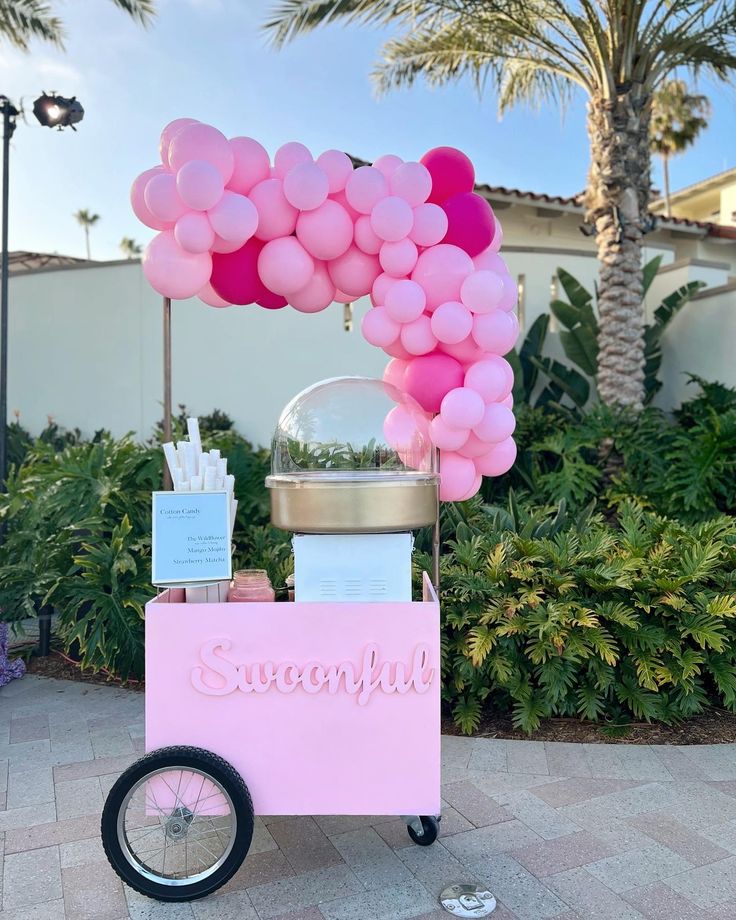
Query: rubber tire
[431, 828]
[184, 757]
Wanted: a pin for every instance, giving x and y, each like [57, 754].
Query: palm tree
[87, 220]
[23, 20]
[678, 117]
[130, 248]
[617, 51]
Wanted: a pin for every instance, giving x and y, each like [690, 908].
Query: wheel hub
[177, 824]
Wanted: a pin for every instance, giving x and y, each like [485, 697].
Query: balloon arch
[236, 229]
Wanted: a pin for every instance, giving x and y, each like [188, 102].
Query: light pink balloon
[290, 155]
[325, 232]
[378, 328]
[381, 287]
[497, 424]
[224, 246]
[398, 258]
[167, 136]
[365, 188]
[405, 301]
[342, 297]
[366, 238]
[496, 332]
[171, 271]
[412, 182]
[508, 401]
[234, 217]
[251, 164]
[429, 226]
[193, 232]
[482, 291]
[318, 294]
[397, 350]
[490, 260]
[466, 351]
[497, 240]
[445, 437]
[394, 371]
[354, 271]
[452, 322]
[417, 337]
[510, 296]
[162, 198]
[388, 164]
[285, 266]
[457, 475]
[342, 200]
[306, 186]
[462, 408]
[138, 202]
[441, 271]
[202, 142]
[392, 218]
[276, 217]
[489, 378]
[400, 429]
[474, 488]
[209, 296]
[499, 459]
[473, 446]
[199, 185]
[338, 168]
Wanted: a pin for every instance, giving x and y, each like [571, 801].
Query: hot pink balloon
[342, 297]
[470, 222]
[167, 136]
[290, 155]
[162, 199]
[234, 217]
[490, 260]
[271, 301]
[489, 378]
[325, 232]
[235, 274]
[441, 271]
[417, 337]
[251, 164]
[338, 168]
[209, 296]
[354, 272]
[171, 271]
[499, 459]
[398, 258]
[378, 328]
[445, 437]
[276, 217]
[199, 185]
[388, 164]
[138, 202]
[429, 378]
[510, 295]
[306, 186]
[392, 218]
[429, 226]
[193, 232]
[381, 287]
[405, 301]
[473, 446]
[496, 332]
[365, 188]
[318, 294]
[462, 408]
[412, 182]
[482, 291]
[394, 371]
[202, 142]
[497, 424]
[366, 238]
[457, 475]
[285, 266]
[451, 171]
[451, 322]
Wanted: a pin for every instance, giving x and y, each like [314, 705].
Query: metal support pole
[9, 115]
[44, 631]
[436, 534]
[167, 385]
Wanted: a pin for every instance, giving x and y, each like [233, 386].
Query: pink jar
[251, 585]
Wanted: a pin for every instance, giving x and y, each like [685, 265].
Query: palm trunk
[86, 239]
[666, 177]
[617, 206]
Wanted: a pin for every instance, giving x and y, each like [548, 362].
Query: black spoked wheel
[430, 830]
[177, 824]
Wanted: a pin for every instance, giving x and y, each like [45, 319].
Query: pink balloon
[473, 446]
[162, 199]
[209, 296]
[317, 295]
[441, 271]
[510, 295]
[497, 240]
[276, 217]
[271, 301]
[234, 217]
[482, 291]
[497, 424]
[365, 188]
[394, 371]
[398, 258]
[306, 186]
[167, 136]
[388, 164]
[392, 218]
[338, 168]
[489, 260]
[451, 172]
[457, 475]
[462, 408]
[290, 155]
[429, 378]
[381, 286]
[489, 378]
[451, 322]
[412, 182]
[193, 232]
[466, 351]
[429, 226]
[397, 350]
[400, 429]
[474, 488]
[285, 266]
[354, 271]
[235, 274]
[378, 327]
[251, 164]
[417, 337]
[496, 332]
[199, 185]
[445, 437]
[499, 459]
[366, 238]
[508, 401]
[138, 202]
[325, 232]
[342, 200]
[221, 245]
[202, 142]
[405, 301]
[342, 297]
[171, 271]
[470, 222]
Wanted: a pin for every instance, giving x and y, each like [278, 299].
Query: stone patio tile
[552, 856]
[716, 761]
[473, 846]
[619, 805]
[494, 783]
[3, 801]
[536, 814]
[236, 905]
[694, 847]
[566, 759]
[435, 867]
[637, 867]
[395, 833]
[113, 742]
[310, 913]
[143, 908]
[96, 895]
[579, 789]
[370, 858]
[23, 751]
[527, 757]
[604, 761]
[277, 898]
[589, 898]
[31, 878]
[400, 902]
[641, 763]
[452, 821]
[700, 805]
[29, 728]
[27, 816]
[658, 902]
[679, 765]
[50, 834]
[83, 853]
[32, 787]
[78, 797]
[304, 844]
[621, 836]
[99, 767]
[457, 749]
[722, 835]
[262, 841]
[707, 886]
[487, 755]
[725, 911]
[260, 869]
[340, 824]
[474, 805]
[306, 890]
[49, 910]
[527, 897]
[3, 775]
[106, 783]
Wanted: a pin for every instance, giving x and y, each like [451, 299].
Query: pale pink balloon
[417, 337]
[354, 271]
[285, 266]
[290, 155]
[209, 296]
[171, 271]
[199, 185]
[388, 164]
[138, 202]
[462, 408]
[445, 437]
[497, 424]
[365, 188]
[466, 351]
[497, 240]
[378, 328]
[412, 182]
[276, 217]
[429, 226]
[496, 332]
[510, 296]
[306, 186]
[457, 475]
[394, 371]
[167, 135]
[400, 429]
[473, 446]
[325, 232]
[392, 218]
[366, 238]
[397, 350]
[234, 217]
[224, 246]
[508, 401]
[342, 200]
[202, 142]
[251, 164]
[481, 291]
[490, 260]
[499, 459]
[489, 378]
[398, 258]
[441, 271]
[474, 488]
[405, 301]
[338, 168]
[193, 232]
[162, 198]
[452, 322]
[381, 286]
[317, 295]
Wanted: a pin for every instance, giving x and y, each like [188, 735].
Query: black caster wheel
[177, 824]
[430, 830]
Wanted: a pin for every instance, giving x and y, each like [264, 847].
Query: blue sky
[208, 59]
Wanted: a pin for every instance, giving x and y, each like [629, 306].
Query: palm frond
[297, 17]
[142, 11]
[23, 20]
